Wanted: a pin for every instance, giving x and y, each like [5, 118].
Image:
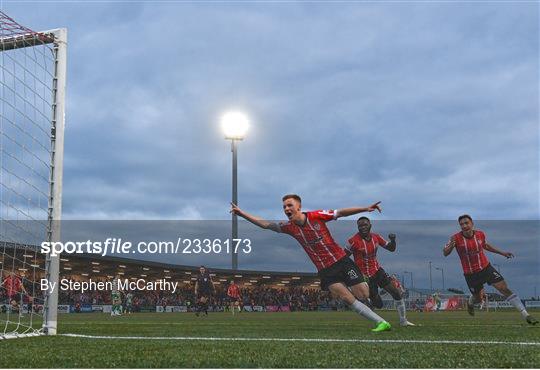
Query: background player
[204, 287]
[116, 298]
[364, 245]
[233, 292]
[470, 245]
[336, 270]
[484, 300]
[14, 288]
[129, 303]
[397, 284]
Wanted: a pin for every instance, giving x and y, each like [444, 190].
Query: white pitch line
[318, 340]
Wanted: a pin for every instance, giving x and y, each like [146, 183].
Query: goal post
[32, 120]
[57, 171]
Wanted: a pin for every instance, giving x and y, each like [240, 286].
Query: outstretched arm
[344, 212]
[492, 249]
[262, 223]
[448, 248]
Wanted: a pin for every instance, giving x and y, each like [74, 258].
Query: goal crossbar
[26, 40]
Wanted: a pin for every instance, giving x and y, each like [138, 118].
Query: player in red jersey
[233, 292]
[470, 245]
[336, 270]
[13, 286]
[364, 245]
[484, 300]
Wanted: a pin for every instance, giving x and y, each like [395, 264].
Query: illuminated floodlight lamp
[234, 125]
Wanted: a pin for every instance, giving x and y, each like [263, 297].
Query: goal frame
[58, 39]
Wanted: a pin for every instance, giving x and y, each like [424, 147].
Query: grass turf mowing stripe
[337, 340]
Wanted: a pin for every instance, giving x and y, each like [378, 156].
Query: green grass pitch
[62, 351]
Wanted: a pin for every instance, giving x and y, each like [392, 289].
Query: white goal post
[32, 119]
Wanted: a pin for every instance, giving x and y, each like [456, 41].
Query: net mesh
[27, 62]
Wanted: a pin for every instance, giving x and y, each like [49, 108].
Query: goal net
[32, 84]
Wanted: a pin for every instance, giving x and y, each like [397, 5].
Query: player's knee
[342, 293]
[364, 287]
[360, 291]
[361, 295]
[503, 289]
[348, 300]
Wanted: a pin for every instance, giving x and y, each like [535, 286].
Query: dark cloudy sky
[432, 108]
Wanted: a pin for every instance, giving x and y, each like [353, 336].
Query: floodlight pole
[234, 151]
[430, 279]
[442, 274]
[412, 282]
[235, 126]
[443, 286]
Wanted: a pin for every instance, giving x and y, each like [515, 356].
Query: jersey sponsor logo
[314, 241]
[317, 227]
[309, 242]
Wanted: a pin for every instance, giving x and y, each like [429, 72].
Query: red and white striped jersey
[365, 252]
[233, 291]
[471, 251]
[315, 238]
[13, 285]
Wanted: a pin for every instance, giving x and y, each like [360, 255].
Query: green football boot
[382, 326]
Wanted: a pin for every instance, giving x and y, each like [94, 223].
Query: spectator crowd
[295, 297]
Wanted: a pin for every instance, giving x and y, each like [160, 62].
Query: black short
[379, 280]
[343, 271]
[476, 280]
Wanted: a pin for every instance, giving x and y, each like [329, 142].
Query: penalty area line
[316, 340]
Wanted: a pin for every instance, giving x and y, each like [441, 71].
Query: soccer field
[331, 339]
